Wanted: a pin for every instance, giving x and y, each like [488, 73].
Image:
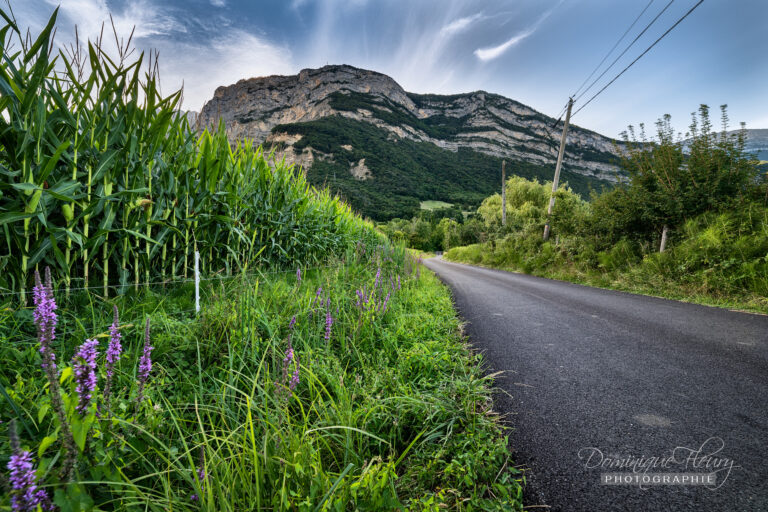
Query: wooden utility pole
[663, 244]
[503, 193]
[557, 168]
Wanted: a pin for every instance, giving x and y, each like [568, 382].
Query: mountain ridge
[316, 119]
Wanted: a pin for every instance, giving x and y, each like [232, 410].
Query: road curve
[619, 377]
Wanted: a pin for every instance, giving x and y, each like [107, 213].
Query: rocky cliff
[318, 116]
[483, 122]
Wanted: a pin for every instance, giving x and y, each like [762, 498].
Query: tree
[671, 179]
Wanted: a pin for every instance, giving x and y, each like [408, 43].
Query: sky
[537, 52]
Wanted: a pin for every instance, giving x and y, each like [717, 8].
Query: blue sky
[535, 51]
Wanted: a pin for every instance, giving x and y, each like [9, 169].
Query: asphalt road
[621, 377]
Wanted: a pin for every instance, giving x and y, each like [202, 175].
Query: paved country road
[617, 376]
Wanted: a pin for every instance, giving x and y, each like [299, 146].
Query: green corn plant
[103, 179]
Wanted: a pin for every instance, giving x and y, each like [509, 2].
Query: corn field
[103, 179]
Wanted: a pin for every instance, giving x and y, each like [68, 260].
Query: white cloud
[423, 55]
[460, 24]
[218, 3]
[89, 15]
[199, 66]
[221, 61]
[486, 54]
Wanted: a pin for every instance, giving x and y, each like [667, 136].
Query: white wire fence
[98, 330]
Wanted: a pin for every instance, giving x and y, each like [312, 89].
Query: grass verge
[639, 278]
[369, 400]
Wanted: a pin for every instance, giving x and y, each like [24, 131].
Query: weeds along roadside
[387, 410]
[718, 260]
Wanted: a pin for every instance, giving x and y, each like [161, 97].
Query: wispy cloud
[460, 24]
[148, 18]
[486, 54]
[194, 52]
[493, 52]
[223, 60]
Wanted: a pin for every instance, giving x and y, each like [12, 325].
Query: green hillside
[406, 172]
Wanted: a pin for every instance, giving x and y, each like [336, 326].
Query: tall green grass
[103, 180]
[391, 412]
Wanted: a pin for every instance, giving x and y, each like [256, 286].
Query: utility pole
[503, 193]
[557, 168]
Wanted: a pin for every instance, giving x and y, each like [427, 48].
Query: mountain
[757, 142]
[386, 150]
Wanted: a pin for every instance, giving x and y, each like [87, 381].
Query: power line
[625, 50]
[614, 47]
[640, 56]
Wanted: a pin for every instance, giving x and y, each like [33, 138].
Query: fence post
[197, 282]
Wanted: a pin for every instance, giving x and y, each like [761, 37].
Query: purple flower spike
[45, 320]
[298, 275]
[294, 380]
[292, 323]
[288, 356]
[291, 358]
[84, 366]
[201, 477]
[328, 324]
[378, 278]
[145, 363]
[115, 348]
[45, 317]
[25, 496]
[384, 306]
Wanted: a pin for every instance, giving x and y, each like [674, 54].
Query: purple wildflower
[328, 324]
[45, 320]
[288, 356]
[145, 363]
[384, 306]
[115, 348]
[298, 276]
[398, 281]
[378, 278]
[292, 323]
[84, 366]
[201, 477]
[25, 495]
[45, 317]
[291, 358]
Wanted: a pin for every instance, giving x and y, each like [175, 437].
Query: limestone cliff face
[251, 108]
[484, 122]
